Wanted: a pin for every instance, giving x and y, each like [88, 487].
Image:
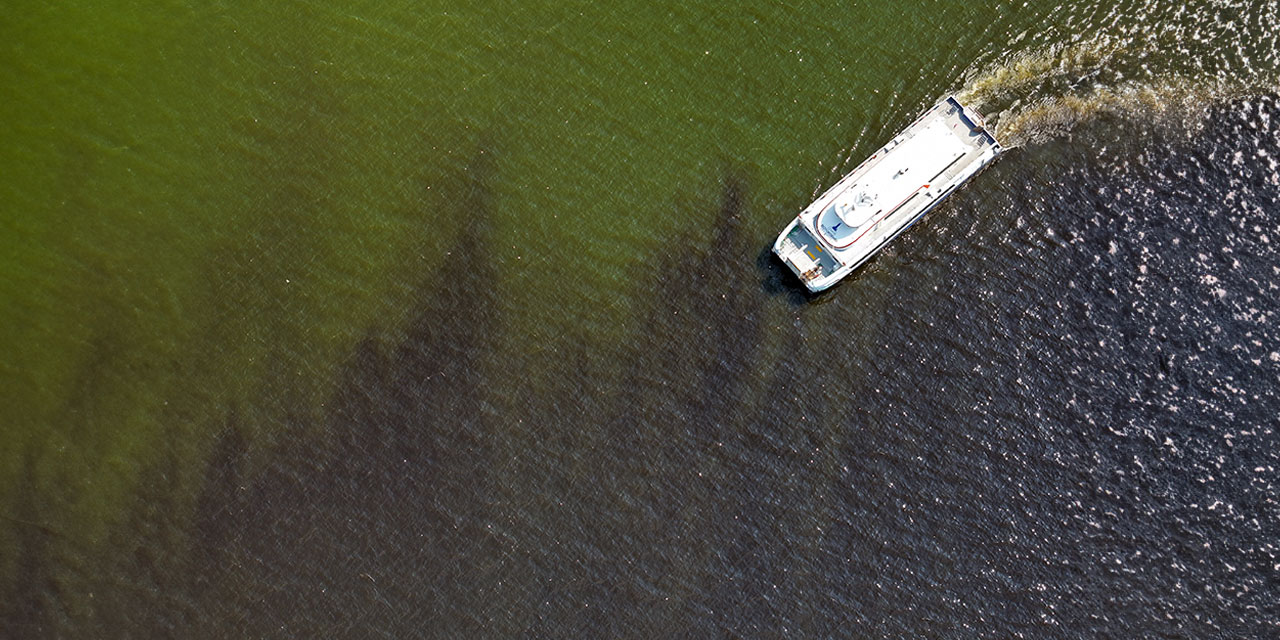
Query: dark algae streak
[350, 523]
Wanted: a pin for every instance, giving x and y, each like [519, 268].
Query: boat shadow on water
[777, 280]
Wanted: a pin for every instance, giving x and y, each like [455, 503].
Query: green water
[205, 207]
[200, 199]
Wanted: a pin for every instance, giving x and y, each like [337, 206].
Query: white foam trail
[1034, 67]
[1153, 63]
[1174, 103]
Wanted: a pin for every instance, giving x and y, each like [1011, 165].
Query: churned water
[411, 320]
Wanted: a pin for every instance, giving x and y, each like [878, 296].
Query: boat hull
[886, 194]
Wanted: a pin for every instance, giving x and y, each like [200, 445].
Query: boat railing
[879, 219]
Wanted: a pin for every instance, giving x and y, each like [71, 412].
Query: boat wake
[1174, 104]
[1154, 65]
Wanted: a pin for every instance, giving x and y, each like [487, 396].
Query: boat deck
[886, 194]
[977, 141]
[803, 245]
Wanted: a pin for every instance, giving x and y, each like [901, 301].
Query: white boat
[887, 193]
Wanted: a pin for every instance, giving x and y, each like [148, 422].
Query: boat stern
[978, 124]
